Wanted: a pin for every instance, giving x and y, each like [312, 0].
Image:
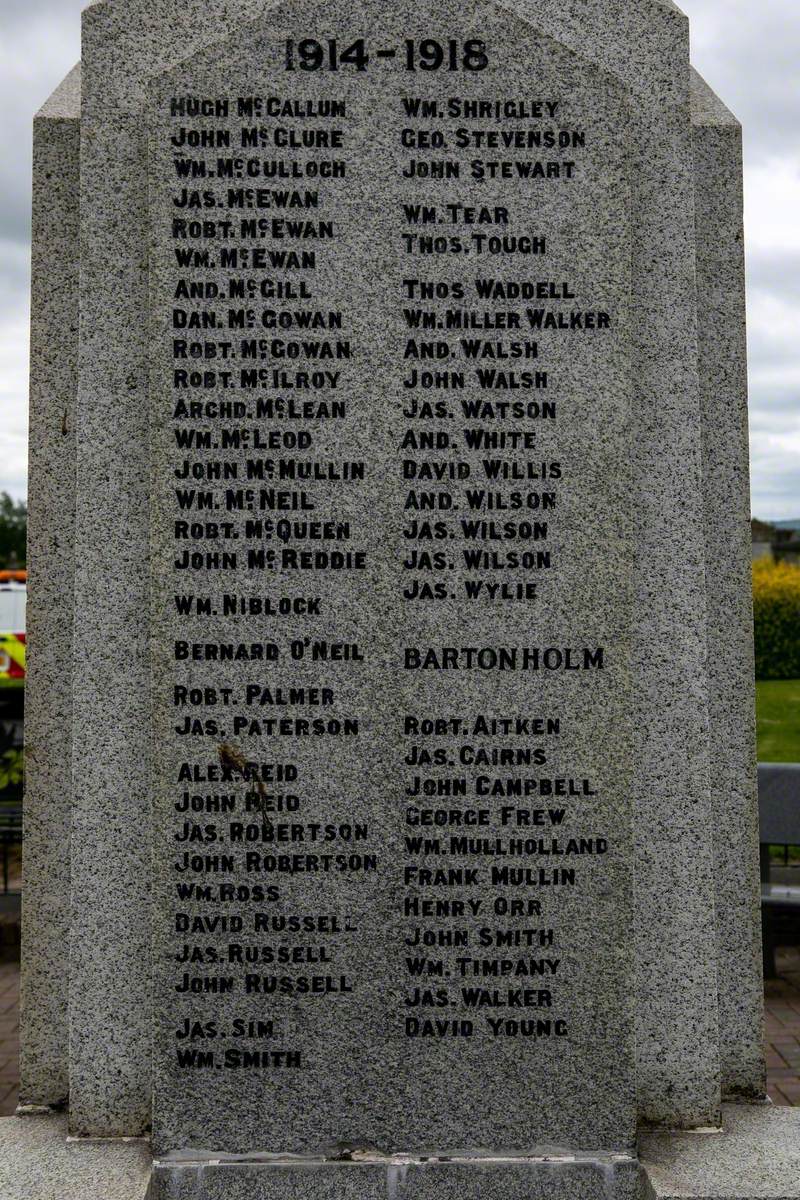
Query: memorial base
[38, 1162]
[401, 1178]
[755, 1157]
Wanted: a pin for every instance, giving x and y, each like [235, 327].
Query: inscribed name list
[389, 287]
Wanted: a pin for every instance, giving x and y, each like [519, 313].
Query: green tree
[13, 531]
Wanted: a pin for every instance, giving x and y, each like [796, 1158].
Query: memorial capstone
[400, 666]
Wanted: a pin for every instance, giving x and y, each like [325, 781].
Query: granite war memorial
[392, 827]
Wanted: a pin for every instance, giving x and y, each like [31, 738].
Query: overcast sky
[749, 53]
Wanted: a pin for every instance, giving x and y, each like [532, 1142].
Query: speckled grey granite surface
[127, 42]
[362, 1079]
[317, 1182]
[647, 45]
[643, 42]
[48, 700]
[475, 1180]
[110, 1002]
[757, 1157]
[726, 469]
[672, 1063]
[38, 1163]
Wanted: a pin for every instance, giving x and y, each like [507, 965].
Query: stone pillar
[726, 471]
[55, 256]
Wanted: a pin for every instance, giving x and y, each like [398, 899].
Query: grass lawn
[778, 720]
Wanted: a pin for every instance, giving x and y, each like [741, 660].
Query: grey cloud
[748, 54]
[765, 354]
[775, 485]
[45, 40]
[775, 412]
[776, 272]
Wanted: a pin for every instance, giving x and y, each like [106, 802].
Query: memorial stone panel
[390, 274]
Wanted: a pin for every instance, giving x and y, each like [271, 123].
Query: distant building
[762, 536]
[781, 541]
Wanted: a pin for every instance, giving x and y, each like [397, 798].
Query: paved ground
[782, 1033]
[9, 1037]
[9, 1001]
[782, 996]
